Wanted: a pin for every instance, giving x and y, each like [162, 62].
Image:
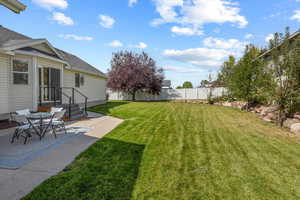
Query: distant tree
[131, 73]
[224, 75]
[179, 87]
[204, 83]
[187, 84]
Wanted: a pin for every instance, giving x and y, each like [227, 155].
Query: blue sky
[188, 38]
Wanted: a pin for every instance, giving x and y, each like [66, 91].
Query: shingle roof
[6, 35]
[78, 64]
[10, 38]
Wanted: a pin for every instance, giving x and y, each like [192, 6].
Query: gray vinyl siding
[94, 86]
[4, 83]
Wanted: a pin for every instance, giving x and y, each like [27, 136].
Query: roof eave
[41, 56]
[13, 5]
[31, 43]
[270, 50]
[90, 73]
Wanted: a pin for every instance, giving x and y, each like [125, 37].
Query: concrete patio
[14, 184]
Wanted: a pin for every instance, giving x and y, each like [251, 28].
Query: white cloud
[132, 2]
[185, 31]
[296, 16]
[115, 44]
[50, 4]
[106, 21]
[140, 45]
[60, 18]
[221, 43]
[213, 54]
[181, 69]
[203, 57]
[194, 14]
[249, 36]
[269, 37]
[75, 37]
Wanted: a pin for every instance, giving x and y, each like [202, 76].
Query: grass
[181, 151]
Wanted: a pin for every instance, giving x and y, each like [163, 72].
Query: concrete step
[76, 111]
[77, 116]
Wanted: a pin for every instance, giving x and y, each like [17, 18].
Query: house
[13, 5]
[166, 84]
[33, 73]
[267, 54]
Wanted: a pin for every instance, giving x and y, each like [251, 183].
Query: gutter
[85, 72]
[13, 5]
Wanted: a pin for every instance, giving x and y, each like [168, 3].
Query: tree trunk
[133, 96]
[281, 117]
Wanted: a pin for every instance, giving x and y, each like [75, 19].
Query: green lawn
[173, 151]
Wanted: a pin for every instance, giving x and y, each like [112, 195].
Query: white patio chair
[23, 112]
[55, 110]
[23, 128]
[58, 122]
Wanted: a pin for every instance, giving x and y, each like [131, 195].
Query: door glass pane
[46, 84]
[46, 77]
[20, 66]
[55, 84]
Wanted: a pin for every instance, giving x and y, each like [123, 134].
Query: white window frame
[17, 72]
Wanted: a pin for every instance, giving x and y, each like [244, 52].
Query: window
[77, 80]
[81, 80]
[20, 72]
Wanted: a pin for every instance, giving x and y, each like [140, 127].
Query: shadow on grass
[107, 170]
[105, 108]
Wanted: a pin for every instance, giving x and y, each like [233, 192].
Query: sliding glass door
[50, 83]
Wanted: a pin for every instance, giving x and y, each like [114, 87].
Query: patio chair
[58, 122]
[55, 110]
[23, 128]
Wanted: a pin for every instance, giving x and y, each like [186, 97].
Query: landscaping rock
[269, 117]
[295, 128]
[266, 110]
[227, 104]
[297, 116]
[266, 119]
[239, 104]
[289, 122]
[258, 109]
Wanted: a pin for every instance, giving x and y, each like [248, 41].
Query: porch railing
[56, 94]
[74, 92]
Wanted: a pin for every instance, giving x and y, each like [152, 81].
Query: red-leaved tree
[132, 72]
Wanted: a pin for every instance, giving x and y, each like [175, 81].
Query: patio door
[50, 82]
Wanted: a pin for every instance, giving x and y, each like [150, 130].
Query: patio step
[76, 112]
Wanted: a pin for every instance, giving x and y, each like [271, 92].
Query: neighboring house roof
[13, 5]
[10, 40]
[293, 36]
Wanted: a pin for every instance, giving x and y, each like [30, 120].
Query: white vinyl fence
[170, 94]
